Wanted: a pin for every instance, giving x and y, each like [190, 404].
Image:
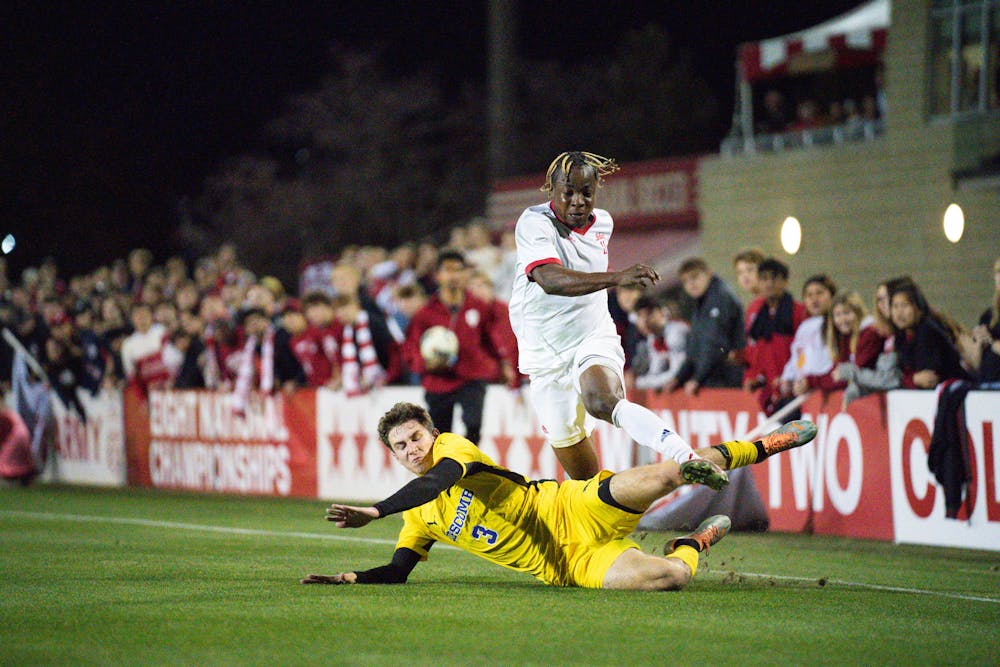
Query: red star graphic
[536, 445]
[361, 441]
[502, 442]
[336, 440]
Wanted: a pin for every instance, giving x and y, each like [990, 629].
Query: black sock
[725, 454]
[687, 542]
[761, 454]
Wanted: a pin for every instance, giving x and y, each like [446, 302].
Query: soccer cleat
[788, 436]
[703, 471]
[708, 532]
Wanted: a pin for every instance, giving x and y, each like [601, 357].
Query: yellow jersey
[563, 534]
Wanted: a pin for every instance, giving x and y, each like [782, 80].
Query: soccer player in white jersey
[567, 341]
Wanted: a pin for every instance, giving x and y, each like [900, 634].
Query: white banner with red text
[353, 462]
[917, 499]
[89, 450]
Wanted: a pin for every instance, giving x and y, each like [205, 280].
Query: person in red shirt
[316, 347]
[482, 287]
[772, 319]
[485, 353]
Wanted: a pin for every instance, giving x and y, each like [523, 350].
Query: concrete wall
[869, 210]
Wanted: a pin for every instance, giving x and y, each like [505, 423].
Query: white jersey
[549, 327]
[809, 354]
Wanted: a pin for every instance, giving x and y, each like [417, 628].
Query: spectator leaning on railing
[771, 323]
[986, 334]
[809, 353]
[665, 344]
[717, 338]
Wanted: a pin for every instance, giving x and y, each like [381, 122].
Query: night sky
[115, 110]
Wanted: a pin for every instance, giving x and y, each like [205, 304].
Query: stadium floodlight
[791, 235]
[954, 223]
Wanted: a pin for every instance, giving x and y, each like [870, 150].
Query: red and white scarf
[359, 362]
[210, 360]
[245, 375]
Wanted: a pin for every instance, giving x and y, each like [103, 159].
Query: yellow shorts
[594, 534]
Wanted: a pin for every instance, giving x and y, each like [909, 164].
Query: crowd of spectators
[217, 325]
[786, 348]
[851, 114]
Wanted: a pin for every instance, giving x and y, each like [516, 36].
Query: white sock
[648, 430]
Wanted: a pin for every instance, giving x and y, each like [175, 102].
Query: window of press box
[964, 57]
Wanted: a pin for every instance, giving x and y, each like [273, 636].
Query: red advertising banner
[194, 440]
[837, 485]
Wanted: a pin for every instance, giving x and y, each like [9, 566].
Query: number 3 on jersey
[480, 531]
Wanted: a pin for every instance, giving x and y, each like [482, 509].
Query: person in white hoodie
[809, 352]
[149, 359]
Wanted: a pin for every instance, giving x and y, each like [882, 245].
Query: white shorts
[555, 392]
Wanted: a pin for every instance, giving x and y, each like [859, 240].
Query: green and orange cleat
[788, 436]
[708, 532]
[703, 471]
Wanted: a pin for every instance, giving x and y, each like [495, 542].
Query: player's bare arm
[560, 281]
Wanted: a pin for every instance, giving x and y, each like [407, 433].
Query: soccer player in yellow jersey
[573, 533]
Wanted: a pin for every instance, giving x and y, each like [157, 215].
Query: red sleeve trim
[548, 260]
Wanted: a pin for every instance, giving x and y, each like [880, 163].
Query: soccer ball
[439, 344]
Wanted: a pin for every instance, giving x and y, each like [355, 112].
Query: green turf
[100, 590]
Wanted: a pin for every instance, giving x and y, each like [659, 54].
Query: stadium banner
[838, 485]
[88, 451]
[354, 464]
[917, 498]
[650, 194]
[864, 476]
[195, 440]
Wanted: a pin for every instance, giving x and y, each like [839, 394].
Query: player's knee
[674, 575]
[600, 402]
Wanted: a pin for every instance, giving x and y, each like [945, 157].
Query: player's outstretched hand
[341, 578]
[346, 516]
[638, 275]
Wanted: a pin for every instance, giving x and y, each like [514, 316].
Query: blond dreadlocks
[565, 162]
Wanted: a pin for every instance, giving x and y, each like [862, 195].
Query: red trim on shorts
[531, 267]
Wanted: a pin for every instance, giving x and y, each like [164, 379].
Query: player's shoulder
[454, 446]
[537, 214]
[603, 222]
[601, 215]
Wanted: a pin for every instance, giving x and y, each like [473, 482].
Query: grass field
[142, 577]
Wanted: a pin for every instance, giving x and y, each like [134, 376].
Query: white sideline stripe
[52, 516]
[874, 587]
[193, 526]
